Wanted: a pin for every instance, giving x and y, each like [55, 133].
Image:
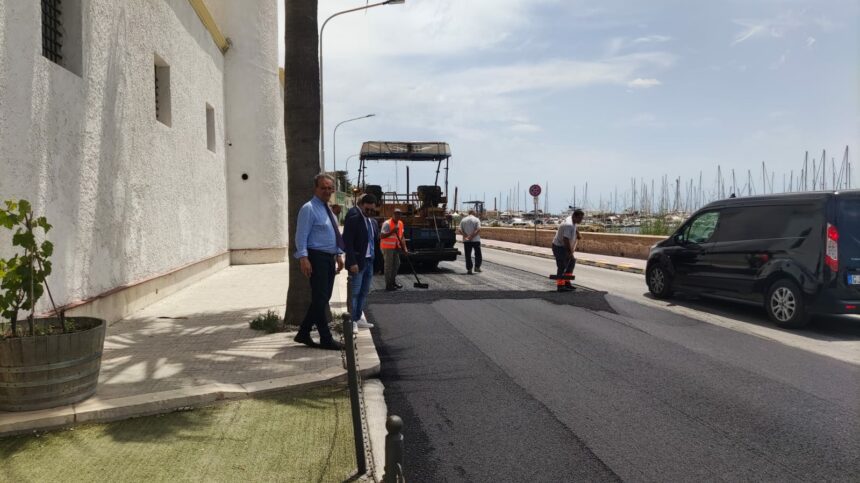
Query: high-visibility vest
[392, 242]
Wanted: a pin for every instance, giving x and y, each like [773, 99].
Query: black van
[797, 254]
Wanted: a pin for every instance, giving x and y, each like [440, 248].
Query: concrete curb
[377, 413]
[582, 261]
[105, 410]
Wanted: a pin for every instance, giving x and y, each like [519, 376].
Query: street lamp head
[370, 115]
[394, 2]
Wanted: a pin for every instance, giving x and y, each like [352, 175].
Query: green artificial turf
[303, 437]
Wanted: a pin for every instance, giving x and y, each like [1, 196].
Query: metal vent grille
[52, 36]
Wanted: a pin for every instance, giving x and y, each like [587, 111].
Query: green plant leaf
[24, 240]
[23, 207]
[43, 223]
[6, 220]
[47, 249]
[22, 269]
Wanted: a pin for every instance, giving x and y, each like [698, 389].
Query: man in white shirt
[563, 246]
[470, 228]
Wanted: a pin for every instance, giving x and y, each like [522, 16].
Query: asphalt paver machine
[427, 228]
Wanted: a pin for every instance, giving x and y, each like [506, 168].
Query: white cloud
[752, 30]
[652, 39]
[775, 27]
[618, 44]
[640, 83]
[809, 41]
[470, 104]
[439, 27]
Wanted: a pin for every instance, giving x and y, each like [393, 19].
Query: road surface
[498, 378]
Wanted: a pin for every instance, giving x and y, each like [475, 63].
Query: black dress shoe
[390, 289]
[331, 345]
[305, 339]
[565, 288]
[397, 285]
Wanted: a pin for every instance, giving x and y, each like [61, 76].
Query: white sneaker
[363, 324]
[354, 328]
[363, 318]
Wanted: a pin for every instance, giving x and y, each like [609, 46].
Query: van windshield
[848, 224]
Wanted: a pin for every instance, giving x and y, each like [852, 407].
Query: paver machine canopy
[427, 227]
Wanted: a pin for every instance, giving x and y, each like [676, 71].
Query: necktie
[337, 236]
[370, 235]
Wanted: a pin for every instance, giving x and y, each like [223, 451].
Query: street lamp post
[347, 161]
[334, 144]
[346, 168]
[322, 108]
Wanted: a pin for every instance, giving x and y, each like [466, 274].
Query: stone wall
[613, 244]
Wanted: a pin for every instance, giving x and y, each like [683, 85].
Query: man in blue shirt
[319, 247]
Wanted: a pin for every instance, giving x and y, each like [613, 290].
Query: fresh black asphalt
[498, 379]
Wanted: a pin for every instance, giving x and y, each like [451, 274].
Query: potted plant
[47, 361]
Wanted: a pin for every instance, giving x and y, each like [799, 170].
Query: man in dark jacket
[359, 235]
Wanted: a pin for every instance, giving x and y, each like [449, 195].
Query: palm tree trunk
[302, 130]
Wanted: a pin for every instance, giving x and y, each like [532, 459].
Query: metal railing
[352, 377]
[394, 425]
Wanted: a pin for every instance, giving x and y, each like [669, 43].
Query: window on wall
[62, 33]
[210, 127]
[162, 91]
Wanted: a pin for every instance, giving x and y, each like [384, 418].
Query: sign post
[535, 191]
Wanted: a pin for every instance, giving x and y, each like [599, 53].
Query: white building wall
[254, 126]
[129, 197]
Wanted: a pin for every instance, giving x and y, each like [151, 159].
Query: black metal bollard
[352, 379]
[394, 451]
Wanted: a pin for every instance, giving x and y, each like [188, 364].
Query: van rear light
[850, 307]
[831, 254]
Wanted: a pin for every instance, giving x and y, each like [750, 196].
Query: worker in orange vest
[391, 243]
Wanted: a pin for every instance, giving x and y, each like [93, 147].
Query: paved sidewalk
[633, 265]
[195, 347]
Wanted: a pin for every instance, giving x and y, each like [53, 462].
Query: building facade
[157, 155]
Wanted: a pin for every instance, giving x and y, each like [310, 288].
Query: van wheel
[785, 305]
[659, 281]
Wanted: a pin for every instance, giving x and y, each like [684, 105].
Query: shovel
[417, 283]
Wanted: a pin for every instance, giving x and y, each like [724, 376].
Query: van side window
[768, 222]
[701, 229]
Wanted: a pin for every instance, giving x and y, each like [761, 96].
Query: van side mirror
[678, 238]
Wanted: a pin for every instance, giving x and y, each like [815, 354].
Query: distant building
[153, 145]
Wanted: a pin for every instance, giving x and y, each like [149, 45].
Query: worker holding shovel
[563, 246]
[391, 243]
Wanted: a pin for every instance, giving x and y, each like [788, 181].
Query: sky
[566, 92]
